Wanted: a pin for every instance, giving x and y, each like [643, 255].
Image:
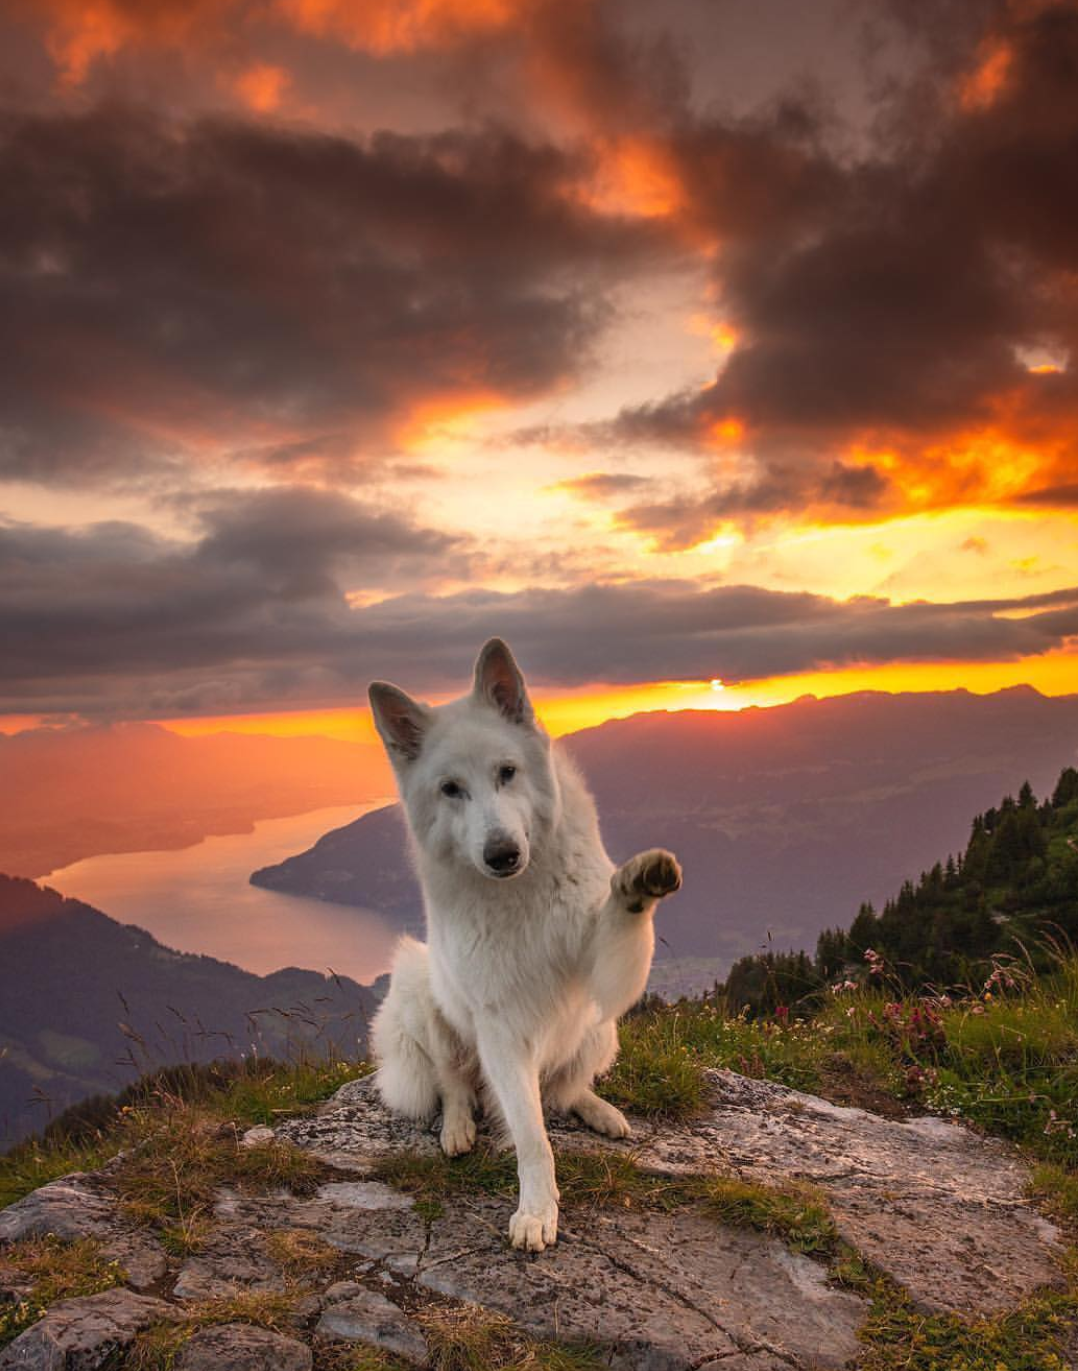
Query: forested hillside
[1012, 891]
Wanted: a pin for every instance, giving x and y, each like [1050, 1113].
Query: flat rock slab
[233, 1257]
[938, 1208]
[86, 1333]
[357, 1314]
[239, 1347]
[664, 1292]
[82, 1206]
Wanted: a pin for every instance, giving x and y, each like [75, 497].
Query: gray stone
[941, 1210]
[353, 1130]
[369, 1317]
[340, 1290]
[668, 1291]
[364, 1195]
[239, 1347]
[259, 1136]
[81, 1206]
[83, 1334]
[233, 1257]
[395, 1234]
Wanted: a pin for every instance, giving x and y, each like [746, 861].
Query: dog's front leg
[513, 1076]
[624, 937]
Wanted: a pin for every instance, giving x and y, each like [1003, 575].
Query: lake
[198, 899]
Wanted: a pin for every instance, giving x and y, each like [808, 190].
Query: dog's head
[475, 775]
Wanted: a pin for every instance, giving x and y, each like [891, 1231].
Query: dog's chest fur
[517, 949]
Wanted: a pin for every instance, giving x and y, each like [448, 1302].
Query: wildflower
[875, 962]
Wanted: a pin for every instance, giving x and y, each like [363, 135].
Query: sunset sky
[712, 352]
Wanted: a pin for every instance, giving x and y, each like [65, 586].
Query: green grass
[796, 1214]
[656, 1075]
[254, 1099]
[32, 1164]
[51, 1270]
[899, 1337]
[1057, 1190]
[1006, 1061]
[238, 1096]
[185, 1154]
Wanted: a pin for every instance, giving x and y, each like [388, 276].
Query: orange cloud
[980, 88]
[634, 175]
[262, 86]
[391, 26]
[79, 33]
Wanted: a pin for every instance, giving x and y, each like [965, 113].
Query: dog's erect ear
[400, 720]
[498, 681]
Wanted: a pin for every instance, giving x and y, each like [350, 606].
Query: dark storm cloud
[124, 616]
[177, 289]
[113, 620]
[881, 302]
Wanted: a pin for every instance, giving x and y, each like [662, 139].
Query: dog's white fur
[517, 990]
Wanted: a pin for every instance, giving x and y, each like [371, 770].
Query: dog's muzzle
[503, 857]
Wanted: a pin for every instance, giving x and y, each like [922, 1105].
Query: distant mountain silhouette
[785, 819]
[74, 793]
[87, 1004]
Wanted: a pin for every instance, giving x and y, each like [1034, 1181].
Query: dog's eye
[451, 789]
[506, 774]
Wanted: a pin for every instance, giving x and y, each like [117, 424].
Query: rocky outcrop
[239, 1347]
[940, 1210]
[82, 1206]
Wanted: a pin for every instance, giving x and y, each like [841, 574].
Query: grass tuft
[656, 1075]
[50, 1270]
[171, 1179]
[900, 1337]
[467, 1338]
[796, 1214]
[157, 1348]
[299, 1253]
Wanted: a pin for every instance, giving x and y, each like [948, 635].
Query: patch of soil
[843, 1082]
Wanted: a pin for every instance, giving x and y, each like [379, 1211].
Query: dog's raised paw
[533, 1232]
[648, 875]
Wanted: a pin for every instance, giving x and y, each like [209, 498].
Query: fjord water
[198, 899]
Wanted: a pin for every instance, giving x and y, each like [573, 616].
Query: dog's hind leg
[570, 1087]
[400, 1036]
[456, 1075]
[420, 1059]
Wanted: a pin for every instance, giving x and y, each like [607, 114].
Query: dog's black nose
[502, 856]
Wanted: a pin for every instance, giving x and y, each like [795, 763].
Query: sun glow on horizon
[566, 711]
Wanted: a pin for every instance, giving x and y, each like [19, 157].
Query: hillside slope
[87, 1004]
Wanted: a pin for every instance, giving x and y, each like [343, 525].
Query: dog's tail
[406, 1078]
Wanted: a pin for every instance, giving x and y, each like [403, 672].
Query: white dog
[535, 942]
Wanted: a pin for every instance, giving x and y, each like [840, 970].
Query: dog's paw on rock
[531, 1231]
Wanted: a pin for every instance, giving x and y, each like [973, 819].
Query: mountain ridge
[786, 818]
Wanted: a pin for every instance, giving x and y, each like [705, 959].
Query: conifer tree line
[1014, 890]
